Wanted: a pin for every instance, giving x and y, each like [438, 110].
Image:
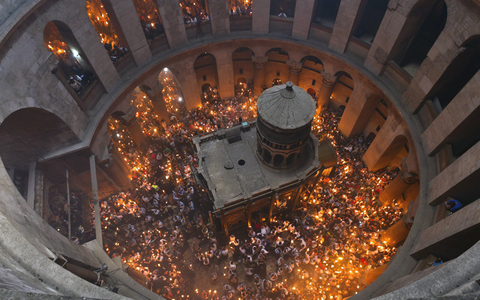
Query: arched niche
[205, 66]
[102, 16]
[343, 89]
[276, 67]
[243, 68]
[73, 69]
[29, 134]
[311, 76]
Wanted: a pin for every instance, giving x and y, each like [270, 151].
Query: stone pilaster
[219, 18]
[172, 19]
[302, 19]
[132, 30]
[294, 69]
[329, 82]
[261, 16]
[259, 63]
[349, 14]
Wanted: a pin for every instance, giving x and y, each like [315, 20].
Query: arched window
[290, 159]
[152, 24]
[242, 61]
[172, 93]
[108, 30]
[73, 69]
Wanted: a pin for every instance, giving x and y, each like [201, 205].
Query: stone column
[359, 110]
[127, 18]
[259, 63]
[329, 82]
[350, 12]
[156, 97]
[189, 85]
[134, 127]
[294, 69]
[96, 204]
[219, 18]
[261, 16]
[87, 39]
[398, 185]
[116, 168]
[172, 19]
[302, 19]
[31, 185]
[398, 232]
[226, 82]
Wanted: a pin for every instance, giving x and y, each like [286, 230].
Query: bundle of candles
[321, 251]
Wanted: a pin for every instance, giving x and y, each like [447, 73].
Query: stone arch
[73, 65]
[276, 66]
[29, 134]
[205, 66]
[277, 54]
[278, 160]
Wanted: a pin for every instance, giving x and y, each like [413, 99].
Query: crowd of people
[244, 8]
[194, 12]
[160, 226]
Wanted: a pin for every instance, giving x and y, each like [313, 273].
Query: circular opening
[241, 162]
